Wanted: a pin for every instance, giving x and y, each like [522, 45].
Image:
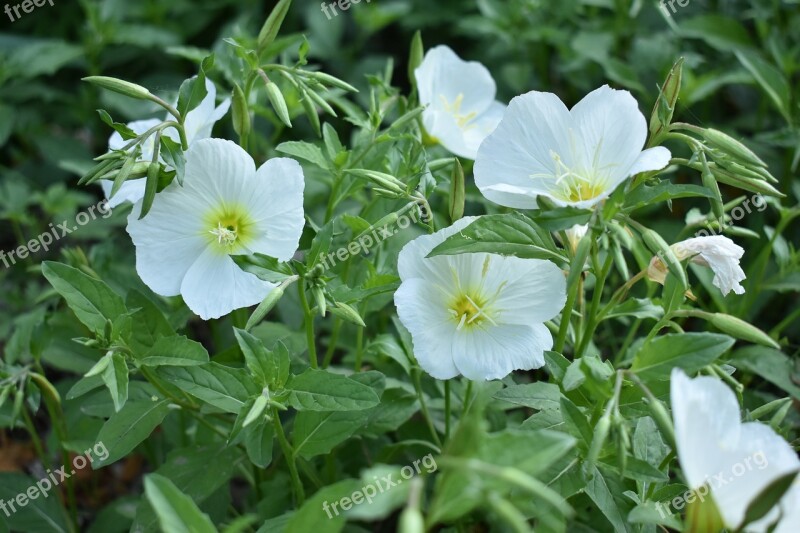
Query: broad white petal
[493, 352]
[482, 126]
[707, 425]
[200, 118]
[131, 191]
[422, 309]
[651, 159]
[214, 286]
[411, 263]
[761, 457]
[520, 152]
[790, 509]
[613, 132]
[721, 254]
[443, 79]
[444, 128]
[275, 203]
[169, 239]
[529, 291]
[220, 171]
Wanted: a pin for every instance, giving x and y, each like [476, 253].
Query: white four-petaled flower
[735, 461]
[225, 208]
[459, 96]
[198, 125]
[718, 252]
[574, 157]
[479, 315]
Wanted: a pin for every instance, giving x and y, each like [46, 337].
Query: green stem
[309, 324]
[424, 407]
[447, 410]
[337, 327]
[593, 320]
[291, 461]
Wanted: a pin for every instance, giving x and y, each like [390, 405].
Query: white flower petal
[493, 352]
[519, 152]
[442, 77]
[411, 262]
[133, 190]
[721, 254]
[221, 171]
[529, 291]
[214, 286]
[481, 127]
[421, 307]
[276, 205]
[651, 159]
[761, 457]
[169, 239]
[443, 127]
[790, 509]
[706, 416]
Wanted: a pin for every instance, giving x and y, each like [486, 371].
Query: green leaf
[193, 90]
[269, 367]
[770, 79]
[177, 513]
[598, 490]
[175, 350]
[149, 323]
[689, 351]
[316, 514]
[317, 433]
[172, 153]
[512, 234]
[720, 32]
[772, 365]
[646, 195]
[304, 150]
[258, 442]
[223, 387]
[539, 395]
[92, 301]
[768, 498]
[129, 427]
[115, 376]
[40, 515]
[318, 390]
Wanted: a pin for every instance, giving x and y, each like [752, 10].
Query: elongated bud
[150, 187]
[265, 307]
[348, 313]
[599, 438]
[99, 366]
[384, 181]
[272, 25]
[732, 147]
[120, 86]
[415, 57]
[241, 112]
[457, 193]
[256, 411]
[731, 175]
[661, 117]
[736, 327]
[278, 103]
[662, 419]
[327, 79]
[411, 519]
[319, 296]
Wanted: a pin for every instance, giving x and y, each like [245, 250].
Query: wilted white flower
[731, 460]
[459, 96]
[575, 234]
[574, 157]
[718, 252]
[225, 207]
[198, 125]
[479, 315]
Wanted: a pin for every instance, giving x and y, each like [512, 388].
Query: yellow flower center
[454, 108]
[229, 228]
[469, 311]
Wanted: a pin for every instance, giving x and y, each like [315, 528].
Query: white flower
[715, 251]
[575, 157]
[459, 98]
[479, 315]
[199, 123]
[575, 234]
[225, 207]
[735, 461]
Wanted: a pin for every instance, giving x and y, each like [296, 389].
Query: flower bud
[348, 313]
[278, 103]
[120, 86]
[740, 329]
[732, 147]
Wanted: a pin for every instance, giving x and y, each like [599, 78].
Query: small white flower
[479, 315]
[459, 97]
[575, 234]
[575, 157]
[736, 461]
[199, 123]
[718, 252]
[225, 207]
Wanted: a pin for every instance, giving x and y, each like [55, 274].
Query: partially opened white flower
[199, 123]
[459, 96]
[225, 207]
[734, 461]
[478, 315]
[574, 157]
[718, 252]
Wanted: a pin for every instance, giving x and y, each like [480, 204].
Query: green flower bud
[120, 86]
[278, 103]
